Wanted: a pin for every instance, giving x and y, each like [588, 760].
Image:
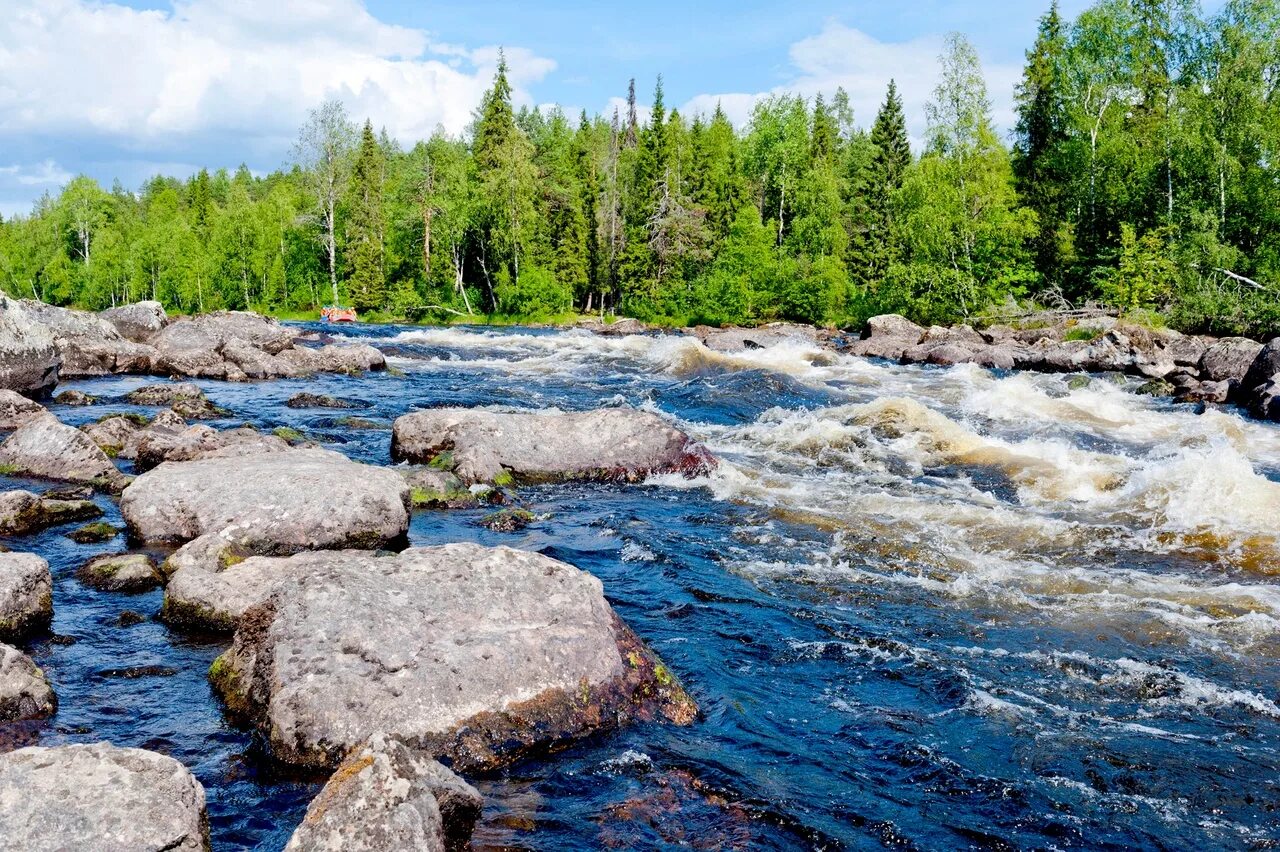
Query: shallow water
[919, 608]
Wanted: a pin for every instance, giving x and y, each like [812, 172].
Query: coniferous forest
[1143, 174]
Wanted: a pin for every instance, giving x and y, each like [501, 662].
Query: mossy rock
[509, 520]
[289, 434]
[1078, 382]
[93, 533]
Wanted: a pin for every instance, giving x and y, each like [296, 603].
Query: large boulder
[26, 595]
[139, 322]
[608, 444]
[22, 512]
[99, 798]
[119, 435]
[351, 358]
[16, 410]
[29, 359]
[24, 691]
[214, 584]
[186, 348]
[156, 445]
[1260, 387]
[1229, 359]
[887, 336]
[465, 652]
[385, 797]
[91, 346]
[761, 337]
[260, 332]
[282, 502]
[48, 449]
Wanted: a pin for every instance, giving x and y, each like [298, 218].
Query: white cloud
[844, 56]
[47, 173]
[246, 67]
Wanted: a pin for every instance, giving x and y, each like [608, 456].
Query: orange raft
[330, 313]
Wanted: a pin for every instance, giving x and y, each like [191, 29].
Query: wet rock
[1216, 393]
[384, 797]
[157, 444]
[75, 397]
[102, 798]
[607, 444]
[433, 488]
[26, 595]
[95, 533]
[129, 618]
[48, 449]
[351, 358]
[1078, 382]
[887, 336]
[282, 501]
[1229, 359]
[620, 327]
[135, 672]
[314, 400]
[29, 359]
[1259, 391]
[1155, 387]
[24, 691]
[124, 572]
[186, 399]
[89, 345]
[22, 512]
[508, 520]
[762, 337]
[139, 322]
[16, 410]
[471, 653]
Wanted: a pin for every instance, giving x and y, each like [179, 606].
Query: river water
[920, 608]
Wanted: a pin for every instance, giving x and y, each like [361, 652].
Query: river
[920, 608]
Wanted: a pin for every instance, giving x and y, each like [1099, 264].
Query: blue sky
[128, 89]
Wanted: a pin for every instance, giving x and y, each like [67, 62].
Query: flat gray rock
[608, 443]
[155, 445]
[26, 595]
[24, 691]
[29, 359]
[99, 798]
[16, 410]
[281, 502]
[466, 652]
[385, 797]
[48, 449]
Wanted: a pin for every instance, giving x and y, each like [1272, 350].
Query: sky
[129, 89]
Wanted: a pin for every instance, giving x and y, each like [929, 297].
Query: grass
[1082, 334]
[289, 434]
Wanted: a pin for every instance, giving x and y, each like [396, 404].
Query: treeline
[1143, 173]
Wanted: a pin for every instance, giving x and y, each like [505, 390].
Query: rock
[1185, 350]
[468, 653]
[89, 345]
[893, 325]
[335, 358]
[157, 445]
[186, 399]
[261, 332]
[94, 533]
[184, 348]
[433, 488]
[101, 798]
[887, 336]
[1207, 392]
[255, 363]
[312, 400]
[129, 618]
[508, 520]
[22, 512]
[620, 327]
[75, 397]
[16, 410]
[139, 322]
[1259, 392]
[1155, 387]
[744, 339]
[607, 444]
[26, 595]
[1229, 359]
[24, 692]
[29, 359]
[1079, 382]
[124, 572]
[385, 797]
[48, 449]
[281, 501]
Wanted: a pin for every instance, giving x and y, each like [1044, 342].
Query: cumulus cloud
[840, 55]
[47, 173]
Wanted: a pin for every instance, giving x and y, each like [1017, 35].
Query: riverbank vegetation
[1143, 173]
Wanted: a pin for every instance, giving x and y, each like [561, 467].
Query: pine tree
[366, 283]
[875, 244]
[1039, 158]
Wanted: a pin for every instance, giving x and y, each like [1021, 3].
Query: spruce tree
[1039, 155]
[364, 244]
[874, 244]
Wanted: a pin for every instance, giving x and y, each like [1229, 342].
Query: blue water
[901, 632]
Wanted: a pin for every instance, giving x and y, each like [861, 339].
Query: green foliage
[1144, 274]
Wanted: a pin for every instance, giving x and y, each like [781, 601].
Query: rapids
[920, 607]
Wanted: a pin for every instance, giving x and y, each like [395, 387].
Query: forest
[1143, 174]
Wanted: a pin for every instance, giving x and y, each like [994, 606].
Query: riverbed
[919, 607]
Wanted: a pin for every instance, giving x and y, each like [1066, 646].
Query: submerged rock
[314, 400]
[282, 502]
[29, 359]
[123, 572]
[26, 595]
[24, 691]
[471, 653]
[139, 322]
[22, 512]
[386, 797]
[94, 533]
[75, 397]
[48, 449]
[608, 444]
[101, 798]
[16, 410]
